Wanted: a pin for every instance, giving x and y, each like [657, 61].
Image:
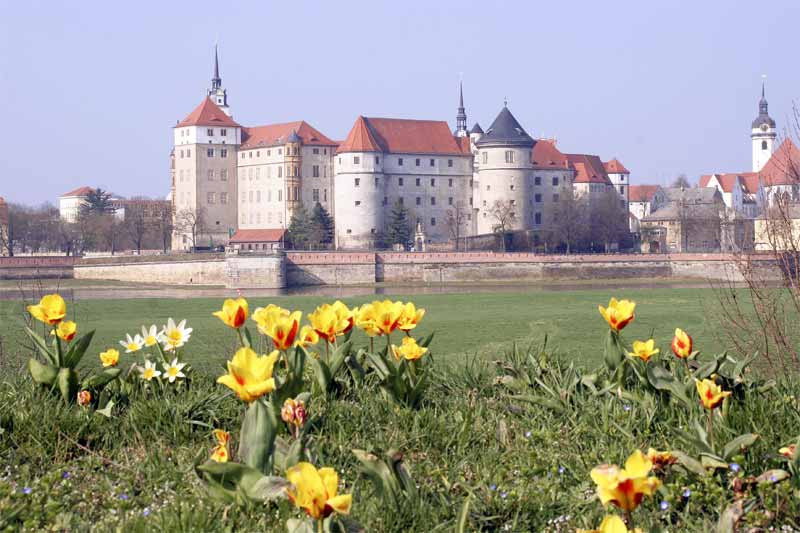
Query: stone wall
[36, 267]
[256, 271]
[201, 272]
[329, 268]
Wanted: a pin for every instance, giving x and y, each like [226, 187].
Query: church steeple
[461, 115]
[762, 133]
[217, 93]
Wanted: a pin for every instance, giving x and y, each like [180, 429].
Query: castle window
[358, 203]
[555, 197]
[223, 174]
[188, 153]
[488, 187]
[622, 178]
[372, 231]
[418, 161]
[210, 132]
[250, 197]
[315, 171]
[210, 197]
[419, 200]
[450, 163]
[258, 153]
[433, 221]
[269, 152]
[509, 156]
[512, 186]
[433, 200]
[450, 201]
[622, 189]
[324, 151]
[210, 152]
[432, 162]
[450, 182]
[211, 175]
[377, 160]
[243, 155]
[484, 157]
[258, 197]
[223, 198]
[469, 217]
[280, 172]
[385, 200]
[340, 160]
[537, 218]
[280, 195]
[250, 154]
[376, 182]
[399, 182]
[401, 201]
[181, 154]
[258, 219]
[763, 145]
[400, 162]
[223, 152]
[280, 151]
[258, 172]
[513, 202]
[433, 182]
[223, 132]
[358, 182]
[315, 151]
[269, 195]
[244, 197]
[349, 231]
[324, 195]
[537, 198]
[470, 200]
[356, 160]
[555, 180]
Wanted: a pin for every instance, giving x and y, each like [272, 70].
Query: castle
[239, 184]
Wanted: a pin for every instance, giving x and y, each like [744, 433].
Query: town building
[70, 203]
[640, 199]
[683, 220]
[742, 193]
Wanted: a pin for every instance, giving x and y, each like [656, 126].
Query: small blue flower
[773, 478]
[561, 469]
[146, 511]
[664, 505]
[735, 467]
[626, 407]
[123, 496]
[687, 493]
[503, 495]
[27, 490]
[492, 487]
[66, 475]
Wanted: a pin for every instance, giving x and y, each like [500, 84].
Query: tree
[165, 224]
[567, 219]
[398, 231]
[136, 223]
[681, 181]
[609, 219]
[191, 222]
[321, 226]
[13, 228]
[503, 212]
[97, 202]
[300, 228]
[456, 222]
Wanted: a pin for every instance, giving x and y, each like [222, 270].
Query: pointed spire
[461, 95]
[216, 63]
[461, 115]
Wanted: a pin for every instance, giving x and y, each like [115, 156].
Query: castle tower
[504, 168]
[762, 134]
[217, 93]
[461, 115]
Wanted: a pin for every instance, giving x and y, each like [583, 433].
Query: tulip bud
[84, 397]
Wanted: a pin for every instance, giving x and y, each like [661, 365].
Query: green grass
[482, 323]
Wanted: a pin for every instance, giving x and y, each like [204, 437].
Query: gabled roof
[615, 167]
[545, 155]
[588, 169]
[641, 193]
[402, 136]
[727, 181]
[207, 114]
[278, 134]
[80, 191]
[505, 131]
[257, 235]
[692, 195]
[783, 168]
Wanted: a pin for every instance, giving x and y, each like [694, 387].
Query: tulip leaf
[106, 411]
[729, 518]
[739, 444]
[231, 479]
[77, 350]
[338, 357]
[380, 365]
[424, 343]
[690, 463]
[614, 355]
[41, 345]
[463, 516]
[98, 381]
[706, 369]
[775, 475]
[257, 438]
[68, 384]
[712, 462]
[268, 488]
[42, 373]
[323, 375]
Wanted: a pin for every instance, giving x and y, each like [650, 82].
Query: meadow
[506, 435]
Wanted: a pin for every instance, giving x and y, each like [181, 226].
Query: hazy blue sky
[90, 90]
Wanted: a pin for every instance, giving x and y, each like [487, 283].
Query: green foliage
[300, 228]
[97, 202]
[398, 229]
[321, 227]
[402, 381]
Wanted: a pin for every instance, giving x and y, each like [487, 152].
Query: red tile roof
[80, 191]
[589, 169]
[207, 114]
[783, 168]
[727, 181]
[403, 136]
[641, 193]
[273, 134]
[257, 235]
[615, 167]
[545, 155]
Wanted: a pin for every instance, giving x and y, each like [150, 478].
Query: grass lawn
[466, 324]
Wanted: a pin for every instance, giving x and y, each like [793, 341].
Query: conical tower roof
[505, 131]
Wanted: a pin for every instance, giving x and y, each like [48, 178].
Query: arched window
[763, 145]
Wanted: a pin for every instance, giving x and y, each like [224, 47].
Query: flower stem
[372, 345]
[59, 351]
[321, 526]
[241, 337]
[710, 428]
[628, 520]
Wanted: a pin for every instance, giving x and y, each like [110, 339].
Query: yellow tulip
[626, 487]
[329, 323]
[660, 459]
[249, 375]
[618, 314]
[386, 315]
[644, 350]
[316, 491]
[307, 337]
[110, 357]
[220, 452]
[410, 350]
[344, 313]
[410, 317]
[711, 394]
[51, 309]
[264, 315]
[611, 524]
[365, 320]
[233, 312]
[681, 344]
[66, 330]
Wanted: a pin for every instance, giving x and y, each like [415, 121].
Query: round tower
[762, 134]
[504, 168]
[359, 188]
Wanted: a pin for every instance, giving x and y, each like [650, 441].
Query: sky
[90, 91]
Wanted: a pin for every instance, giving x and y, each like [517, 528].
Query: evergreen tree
[322, 227]
[300, 228]
[97, 202]
[398, 230]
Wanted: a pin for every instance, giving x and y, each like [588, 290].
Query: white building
[763, 134]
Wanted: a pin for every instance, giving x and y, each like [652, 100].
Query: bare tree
[165, 224]
[456, 222]
[137, 224]
[567, 219]
[609, 219]
[681, 181]
[504, 213]
[191, 222]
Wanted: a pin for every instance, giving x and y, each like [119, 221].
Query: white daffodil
[149, 371]
[172, 371]
[132, 344]
[173, 336]
[150, 336]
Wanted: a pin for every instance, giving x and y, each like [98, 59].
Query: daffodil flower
[172, 371]
[132, 345]
[149, 371]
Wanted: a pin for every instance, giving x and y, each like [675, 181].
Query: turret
[461, 115]
[762, 134]
[217, 93]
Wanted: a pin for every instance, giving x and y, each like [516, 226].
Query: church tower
[763, 134]
[461, 115]
[216, 92]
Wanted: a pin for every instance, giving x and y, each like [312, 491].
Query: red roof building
[80, 191]
[207, 114]
[783, 168]
[641, 193]
[402, 136]
[615, 167]
[588, 169]
[546, 156]
[277, 134]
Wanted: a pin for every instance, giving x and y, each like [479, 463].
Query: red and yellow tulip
[611, 524]
[410, 317]
[220, 453]
[233, 313]
[386, 315]
[711, 394]
[51, 309]
[681, 344]
[281, 328]
[307, 337]
[365, 320]
[410, 350]
[66, 330]
[618, 314]
[626, 487]
[316, 491]
[644, 350]
[293, 412]
[788, 451]
[330, 321]
[249, 375]
[660, 459]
